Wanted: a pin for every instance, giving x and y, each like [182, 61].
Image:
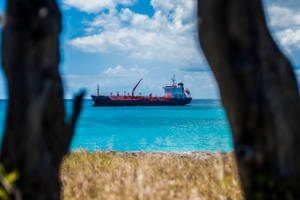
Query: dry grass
[100, 176]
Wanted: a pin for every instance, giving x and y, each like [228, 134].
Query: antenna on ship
[98, 90]
[136, 87]
[173, 80]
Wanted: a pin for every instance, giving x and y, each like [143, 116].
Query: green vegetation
[7, 184]
[148, 176]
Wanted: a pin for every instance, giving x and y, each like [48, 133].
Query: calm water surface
[200, 126]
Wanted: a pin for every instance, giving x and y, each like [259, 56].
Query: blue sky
[114, 43]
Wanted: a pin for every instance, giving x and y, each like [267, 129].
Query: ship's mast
[98, 90]
[136, 86]
[173, 80]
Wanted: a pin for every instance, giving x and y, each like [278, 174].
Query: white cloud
[176, 9]
[283, 17]
[285, 25]
[91, 6]
[169, 35]
[166, 5]
[126, 14]
[289, 38]
[120, 71]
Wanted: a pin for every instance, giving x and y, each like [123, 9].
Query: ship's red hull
[139, 101]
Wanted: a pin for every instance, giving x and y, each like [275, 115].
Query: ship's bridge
[174, 91]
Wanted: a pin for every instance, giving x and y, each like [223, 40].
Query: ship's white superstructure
[175, 90]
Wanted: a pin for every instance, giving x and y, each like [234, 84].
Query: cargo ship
[175, 95]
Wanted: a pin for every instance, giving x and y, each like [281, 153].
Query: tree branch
[36, 135]
[259, 92]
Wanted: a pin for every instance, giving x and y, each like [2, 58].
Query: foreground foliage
[97, 175]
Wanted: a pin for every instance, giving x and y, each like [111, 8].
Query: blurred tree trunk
[259, 92]
[37, 133]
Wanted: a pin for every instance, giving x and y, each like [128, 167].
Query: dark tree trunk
[259, 92]
[37, 133]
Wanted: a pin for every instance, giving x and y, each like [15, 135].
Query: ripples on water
[200, 126]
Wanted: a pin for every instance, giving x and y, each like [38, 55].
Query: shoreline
[194, 155]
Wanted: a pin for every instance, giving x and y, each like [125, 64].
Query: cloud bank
[285, 25]
[93, 6]
[169, 35]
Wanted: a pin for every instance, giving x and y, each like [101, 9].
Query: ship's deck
[139, 98]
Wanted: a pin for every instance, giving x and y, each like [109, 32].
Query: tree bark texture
[38, 132]
[259, 92]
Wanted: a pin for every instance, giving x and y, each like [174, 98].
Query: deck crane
[136, 86]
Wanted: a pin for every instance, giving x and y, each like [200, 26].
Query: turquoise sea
[200, 126]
